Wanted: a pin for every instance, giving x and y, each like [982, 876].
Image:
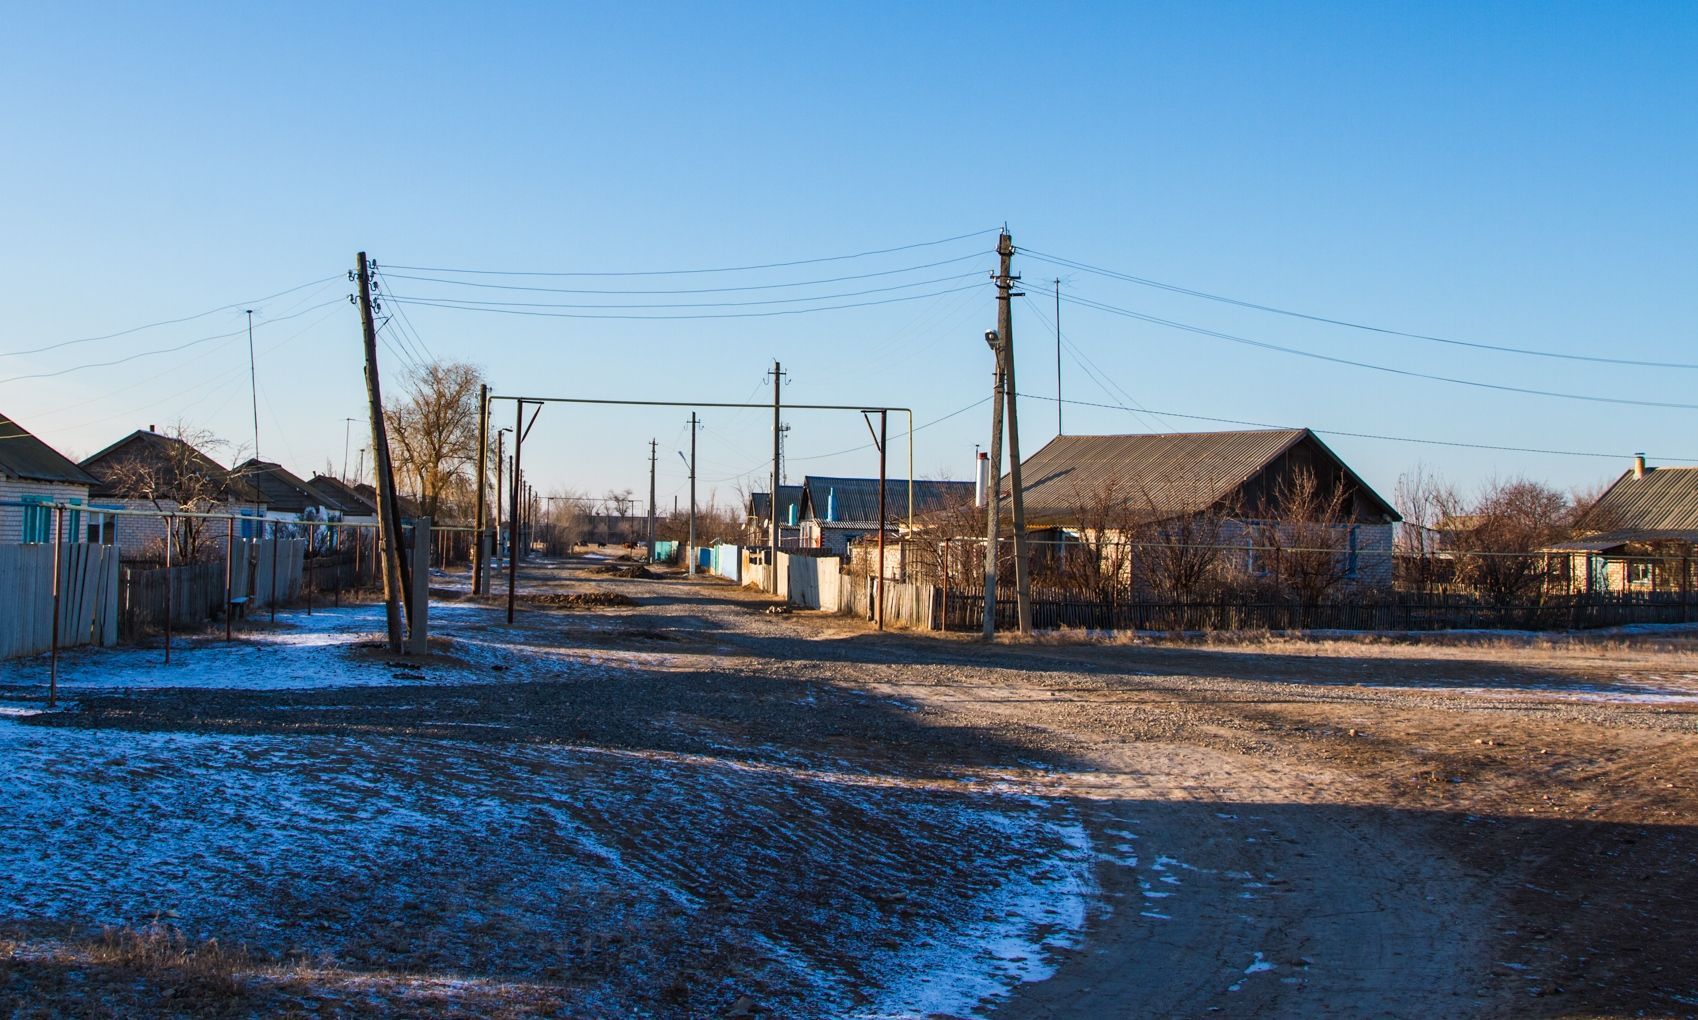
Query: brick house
[149, 471]
[33, 477]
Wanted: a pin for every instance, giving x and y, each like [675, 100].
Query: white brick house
[33, 477]
[154, 473]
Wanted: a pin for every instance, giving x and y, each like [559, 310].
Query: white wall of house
[14, 491]
[138, 534]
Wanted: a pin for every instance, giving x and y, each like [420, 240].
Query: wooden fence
[906, 603]
[196, 590]
[88, 597]
[1391, 613]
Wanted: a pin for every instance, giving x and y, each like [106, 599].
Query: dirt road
[794, 814]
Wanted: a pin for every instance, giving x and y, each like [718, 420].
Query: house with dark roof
[758, 523]
[1247, 480]
[148, 470]
[287, 496]
[33, 477]
[837, 511]
[1641, 536]
[342, 498]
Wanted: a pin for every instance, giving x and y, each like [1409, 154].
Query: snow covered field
[502, 872]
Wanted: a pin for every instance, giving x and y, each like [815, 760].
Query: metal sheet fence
[88, 597]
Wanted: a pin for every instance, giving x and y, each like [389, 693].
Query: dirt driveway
[686, 806]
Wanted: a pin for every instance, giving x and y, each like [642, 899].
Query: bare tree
[176, 475]
[1420, 498]
[1307, 541]
[1180, 546]
[1497, 538]
[433, 434]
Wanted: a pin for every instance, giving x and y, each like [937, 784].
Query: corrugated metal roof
[856, 499]
[1624, 536]
[1665, 499]
[24, 456]
[1160, 475]
[788, 496]
[280, 488]
[158, 449]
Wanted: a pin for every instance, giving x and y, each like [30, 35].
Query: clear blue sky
[1515, 174]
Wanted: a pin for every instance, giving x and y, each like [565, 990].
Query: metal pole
[53, 663]
[306, 568]
[883, 423]
[772, 562]
[513, 552]
[480, 556]
[692, 493]
[229, 552]
[169, 542]
[653, 463]
[273, 571]
[253, 381]
[1058, 356]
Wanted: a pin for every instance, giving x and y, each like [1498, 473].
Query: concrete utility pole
[652, 448]
[694, 424]
[993, 491]
[1005, 294]
[388, 522]
[480, 540]
[777, 453]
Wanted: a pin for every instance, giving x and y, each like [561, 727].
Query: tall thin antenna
[253, 382]
[1058, 356]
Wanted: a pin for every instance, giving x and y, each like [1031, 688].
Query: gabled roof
[788, 496]
[343, 496]
[1165, 474]
[161, 450]
[25, 457]
[408, 505]
[855, 500]
[1666, 499]
[280, 489]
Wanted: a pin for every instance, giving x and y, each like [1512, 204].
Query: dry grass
[161, 951]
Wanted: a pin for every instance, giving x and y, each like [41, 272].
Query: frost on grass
[592, 880]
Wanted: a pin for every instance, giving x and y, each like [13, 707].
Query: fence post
[418, 636]
[273, 571]
[168, 586]
[306, 569]
[229, 551]
[53, 661]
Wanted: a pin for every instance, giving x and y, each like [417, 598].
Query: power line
[163, 350]
[424, 303]
[721, 269]
[692, 290]
[165, 322]
[1092, 370]
[1328, 320]
[1408, 373]
[408, 322]
[1373, 435]
[470, 303]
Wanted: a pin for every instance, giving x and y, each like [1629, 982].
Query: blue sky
[1513, 174]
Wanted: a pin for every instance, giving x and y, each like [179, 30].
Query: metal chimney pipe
[1639, 465]
[981, 479]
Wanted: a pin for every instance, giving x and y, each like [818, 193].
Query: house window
[1639, 573]
[38, 520]
[1350, 561]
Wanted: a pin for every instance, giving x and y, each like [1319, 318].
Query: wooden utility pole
[480, 554]
[993, 494]
[772, 502]
[1005, 328]
[692, 546]
[653, 448]
[1058, 356]
[388, 521]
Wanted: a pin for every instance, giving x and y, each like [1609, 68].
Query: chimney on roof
[981, 479]
[1639, 465]
[153, 428]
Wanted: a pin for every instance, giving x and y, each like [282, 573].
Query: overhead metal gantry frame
[521, 430]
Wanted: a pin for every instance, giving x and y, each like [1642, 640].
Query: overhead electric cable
[721, 269]
[165, 322]
[1408, 373]
[699, 315]
[471, 303]
[1310, 317]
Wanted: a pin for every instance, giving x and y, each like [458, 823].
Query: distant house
[757, 525]
[836, 511]
[368, 493]
[1246, 480]
[34, 476]
[288, 498]
[146, 470]
[353, 507]
[1641, 536]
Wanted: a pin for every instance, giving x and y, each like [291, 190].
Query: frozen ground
[359, 861]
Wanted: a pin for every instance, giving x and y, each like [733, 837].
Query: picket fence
[88, 597]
